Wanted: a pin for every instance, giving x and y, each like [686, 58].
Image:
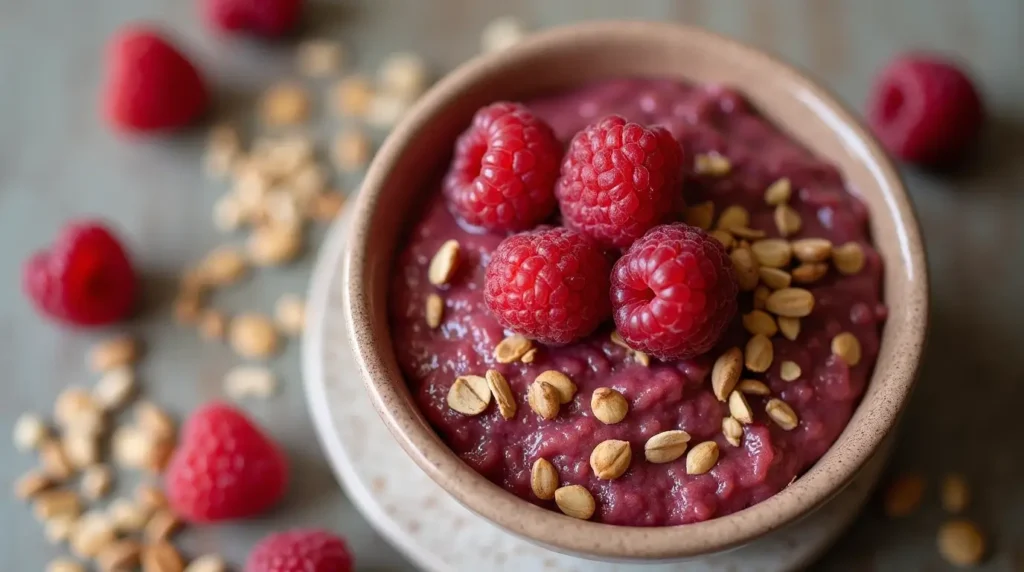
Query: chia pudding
[709, 122]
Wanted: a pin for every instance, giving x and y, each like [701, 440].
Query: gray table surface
[58, 161]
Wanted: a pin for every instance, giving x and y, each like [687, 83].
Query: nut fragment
[701, 458]
[787, 220]
[152, 419]
[253, 336]
[774, 278]
[700, 215]
[666, 446]
[284, 104]
[75, 409]
[469, 395]
[351, 96]
[732, 430]
[781, 413]
[119, 556]
[812, 249]
[809, 272]
[114, 388]
[753, 387]
[772, 252]
[734, 216]
[543, 479]
[760, 322]
[610, 459]
[790, 327]
[30, 484]
[150, 497]
[29, 432]
[904, 495]
[55, 462]
[502, 393]
[207, 563]
[562, 383]
[789, 370]
[790, 302]
[244, 381]
[759, 353]
[64, 565]
[726, 372]
[96, 482]
[575, 501]
[81, 449]
[711, 164]
[112, 353]
[848, 258]
[58, 529]
[161, 526]
[955, 493]
[161, 557]
[745, 268]
[132, 447]
[543, 399]
[739, 408]
[747, 233]
[529, 356]
[778, 192]
[761, 294]
[351, 150]
[512, 349]
[222, 266]
[444, 263]
[961, 543]
[92, 532]
[319, 58]
[608, 405]
[274, 244]
[724, 237]
[290, 314]
[847, 347]
[127, 516]
[433, 312]
[49, 504]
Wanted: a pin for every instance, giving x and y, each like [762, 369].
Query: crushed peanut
[723, 237]
[119, 555]
[403, 75]
[903, 496]
[154, 420]
[149, 497]
[91, 533]
[782, 414]
[434, 312]
[778, 192]
[385, 110]
[753, 387]
[161, 557]
[245, 381]
[701, 458]
[253, 336]
[726, 373]
[733, 216]
[848, 258]
[543, 399]
[325, 207]
[64, 565]
[772, 252]
[127, 516]
[223, 265]
[114, 388]
[444, 263]
[512, 349]
[812, 249]
[161, 526]
[562, 383]
[739, 408]
[732, 430]
[961, 543]
[790, 327]
[774, 278]
[213, 325]
[207, 563]
[469, 395]
[761, 294]
[274, 244]
[81, 449]
[790, 302]
[712, 164]
[31, 484]
[58, 529]
[75, 409]
[759, 353]
[789, 371]
[787, 220]
[955, 493]
[809, 272]
[745, 268]
[700, 215]
[747, 233]
[54, 461]
[51, 503]
[284, 104]
[760, 322]
[502, 393]
[112, 353]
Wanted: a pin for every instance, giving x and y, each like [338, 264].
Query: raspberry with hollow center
[925, 109]
[550, 285]
[300, 551]
[618, 180]
[502, 177]
[673, 292]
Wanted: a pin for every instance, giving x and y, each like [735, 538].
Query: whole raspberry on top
[618, 180]
[673, 292]
[502, 177]
[300, 551]
[925, 109]
[224, 468]
[84, 279]
[550, 285]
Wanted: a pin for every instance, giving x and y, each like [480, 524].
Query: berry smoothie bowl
[635, 291]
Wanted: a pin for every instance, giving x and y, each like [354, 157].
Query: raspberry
[84, 279]
[618, 180]
[502, 177]
[225, 467]
[269, 18]
[925, 110]
[300, 551]
[150, 85]
[673, 292]
[550, 285]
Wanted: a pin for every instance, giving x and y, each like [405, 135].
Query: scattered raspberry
[225, 468]
[300, 551]
[150, 85]
[503, 174]
[84, 279]
[925, 109]
[618, 180]
[673, 292]
[550, 285]
[269, 18]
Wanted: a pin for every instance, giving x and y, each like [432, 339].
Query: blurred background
[58, 161]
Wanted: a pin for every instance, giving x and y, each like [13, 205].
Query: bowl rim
[550, 528]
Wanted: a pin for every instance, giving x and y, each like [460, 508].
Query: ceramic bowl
[564, 58]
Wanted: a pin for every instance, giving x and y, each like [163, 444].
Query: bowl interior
[564, 58]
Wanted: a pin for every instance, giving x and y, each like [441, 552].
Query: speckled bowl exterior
[564, 58]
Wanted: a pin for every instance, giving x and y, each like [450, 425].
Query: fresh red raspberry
[224, 468]
[268, 18]
[84, 279]
[502, 177]
[300, 551]
[550, 285]
[925, 109]
[618, 180]
[150, 85]
[673, 292]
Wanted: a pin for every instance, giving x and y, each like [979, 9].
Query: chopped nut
[759, 353]
[848, 258]
[961, 543]
[812, 249]
[732, 217]
[810, 272]
[610, 459]
[64, 565]
[58, 529]
[739, 408]
[444, 263]
[469, 395]
[543, 479]
[30, 484]
[274, 244]
[701, 458]
[290, 312]
[253, 336]
[772, 252]
[161, 526]
[790, 327]
[92, 532]
[325, 207]
[790, 302]
[319, 58]
[774, 278]
[575, 501]
[49, 504]
[76, 410]
[666, 446]
[207, 563]
[787, 220]
[284, 104]
[745, 268]
[132, 447]
[127, 516]
[112, 353]
[502, 393]
[434, 313]
[608, 405]
[152, 419]
[753, 387]
[351, 96]
[904, 495]
[114, 389]
[55, 462]
[307, 182]
[778, 192]
[789, 371]
[529, 356]
[642, 358]
[161, 557]
[543, 399]
[244, 381]
[781, 413]
[96, 482]
[761, 294]
[724, 237]
[29, 432]
[562, 383]
[222, 266]
[760, 322]
[747, 233]
[119, 556]
[213, 324]
[847, 347]
[711, 164]
[955, 493]
[732, 430]
[385, 110]
[351, 150]
[149, 497]
[501, 33]
[403, 74]
[700, 215]
[512, 349]
[726, 372]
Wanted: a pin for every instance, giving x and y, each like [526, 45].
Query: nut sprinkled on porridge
[772, 252]
[702, 458]
[809, 272]
[512, 348]
[666, 446]
[712, 164]
[112, 353]
[787, 220]
[726, 373]
[761, 294]
[543, 399]
[444, 263]
[610, 459]
[575, 501]
[638, 356]
[848, 258]
[529, 356]
[745, 268]
[739, 408]
[543, 479]
[469, 395]
[700, 215]
[847, 347]
[790, 327]
[782, 414]
[502, 393]
[774, 278]
[789, 371]
[759, 353]
[732, 430]
[812, 249]
[790, 302]
[724, 237]
[562, 383]
[434, 310]
[608, 405]
[759, 322]
[734, 216]
[778, 192]
[753, 387]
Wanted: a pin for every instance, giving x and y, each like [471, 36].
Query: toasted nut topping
[790, 327]
[64, 565]
[638, 356]
[726, 372]
[290, 313]
[76, 409]
[29, 432]
[149, 497]
[739, 408]
[30, 484]
[778, 192]
[575, 501]
[319, 58]
[616, 338]
[444, 263]
[787, 220]
[469, 395]
[711, 164]
[127, 516]
[54, 461]
[243, 381]
[961, 543]
[58, 529]
[790, 302]
[253, 336]
[810, 272]
[284, 104]
[352, 96]
[733, 216]
[119, 555]
[759, 353]
[543, 399]
[847, 347]
[434, 313]
[732, 430]
[666, 446]
[222, 266]
[161, 526]
[747, 233]
[562, 383]
[781, 413]
[81, 449]
[789, 371]
[761, 294]
[642, 358]
[207, 563]
[753, 387]
[700, 215]
[351, 150]
[92, 532]
[774, 278]
[274, 244]
[502, 393]
[544, 479]
[848, 258]
[745, 268]
[512, 348]
[608, 405]
[772, 252]
[760, 322]
[115, 388]
[812, 249]
[529, 356]
[325, 207]
[610, 459]
[132, 447]
[112, 353]
[955, 493]
[96, 482]
[701, 458]
[903, 497]
[161, 557]
[49, 504]
[724, 237]
[152, 419]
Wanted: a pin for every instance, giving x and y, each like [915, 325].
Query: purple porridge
[661, 396]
